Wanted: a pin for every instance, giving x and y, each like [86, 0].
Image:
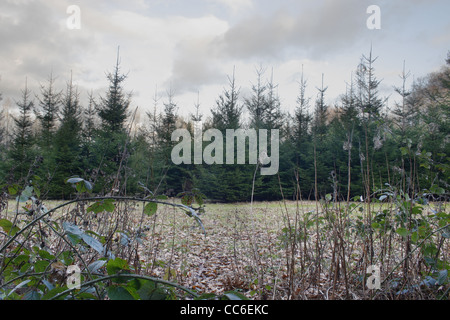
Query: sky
[191, 47]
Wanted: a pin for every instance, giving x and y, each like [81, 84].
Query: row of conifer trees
[348, 149]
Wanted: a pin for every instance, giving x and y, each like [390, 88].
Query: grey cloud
[34, 43]
[195, 65]
[327, 28]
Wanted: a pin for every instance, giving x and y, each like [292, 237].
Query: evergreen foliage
[352, 148]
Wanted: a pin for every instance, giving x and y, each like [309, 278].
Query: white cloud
[235, 5]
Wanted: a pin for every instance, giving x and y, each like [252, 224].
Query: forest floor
[249, 248]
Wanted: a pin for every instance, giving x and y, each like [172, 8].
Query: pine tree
[155, 169]
[403, 111]
[256, 104]
[89, 153]
[348, 110]
[319, 132]
[197, 116]
[89, 116]
[47, 114]
[301, 142]
[302, 117]
[320, 113]
[368, 100]
[111, 141]
[21, 149]
[227, 113]
[113, 109]
[67, 142]
[227, 181]
[167, 126]
[349, 122]
[273, 117]
[172, 177]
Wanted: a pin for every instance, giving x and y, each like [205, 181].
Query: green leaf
[96, 207]
[66, 257]
[416, 210]
[75, 239]
[442, 277]
[41, 265]
[23, 258]
[20, 285]
[13, 189]
[437, 190]
[150, 208]
[402, 231]
[415, 237]
[93, 243]
[116, 265]
[46, 255]
[108, 205]
[206, 296]
[429, 250]
[404, 151]
[71, 228]
[25, 195]
[80, 184]
[187, 200]
[74, 180]
[7, 226]
[446, 233]
[233, 295]
[147, 290]
[328, 197]
[32, 295]
[96, 265]
[376, 225]
[199, 199]
[119, 293]
[54, 292]
[103, 205]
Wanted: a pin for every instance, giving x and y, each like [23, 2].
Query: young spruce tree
[21, 151]
[111, 141]
[67, 143]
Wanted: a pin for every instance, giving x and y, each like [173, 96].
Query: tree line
[349, 149]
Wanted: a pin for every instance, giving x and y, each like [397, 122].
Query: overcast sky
[192, 46]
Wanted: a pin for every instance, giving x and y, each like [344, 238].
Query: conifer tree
[256, 104]
[21, 149]
[370, 110]
[112, 138]
[113, 108]
[227, 113]
[89, 117]
[167, 126]
[302, 117]
[67, 142]
[300, 135]
[319, 132]
[47, 114]
[273, 116]
[320, 113]
[229, 180]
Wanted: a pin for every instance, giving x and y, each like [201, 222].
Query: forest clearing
[210, 150]
[264, 250]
